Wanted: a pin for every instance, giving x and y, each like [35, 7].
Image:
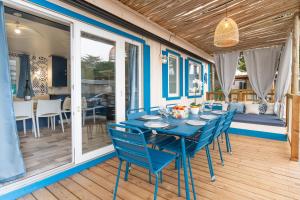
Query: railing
[293, 124]
[238, 95]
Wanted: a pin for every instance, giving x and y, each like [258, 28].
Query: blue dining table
[179, 128]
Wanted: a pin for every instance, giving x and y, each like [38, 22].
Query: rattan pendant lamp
[226, 33]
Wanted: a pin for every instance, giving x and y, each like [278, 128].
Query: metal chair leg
[210, 165]
[178, 168]
[156, 186]
[126, 171]
[192, 179]
[149, 177]
[228, 145]
[220, 152]
[161, 177]
[117, 181]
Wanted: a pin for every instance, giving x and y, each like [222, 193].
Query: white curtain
[226, 65]
[261, 67]
[284, 76]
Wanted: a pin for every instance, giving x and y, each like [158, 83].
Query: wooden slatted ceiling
[261, 23]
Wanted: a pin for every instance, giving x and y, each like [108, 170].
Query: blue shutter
[147, 78]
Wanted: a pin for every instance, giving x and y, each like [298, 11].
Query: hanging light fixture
[226, 33]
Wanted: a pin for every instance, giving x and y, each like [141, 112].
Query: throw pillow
[252, 109]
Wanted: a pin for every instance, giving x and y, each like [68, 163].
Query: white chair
[66, 108]
[49, 109]
[24, 110]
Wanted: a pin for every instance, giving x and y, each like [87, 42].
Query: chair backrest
[67, 104]
[220, 125]
[154, 110]
[23, 108]
[228, 120]
[135, 113]
[217, 106]
[48, 107]
[206, 135]
[130, 145]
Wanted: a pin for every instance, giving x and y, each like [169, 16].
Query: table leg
[186, 176]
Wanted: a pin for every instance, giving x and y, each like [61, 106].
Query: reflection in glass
[173, 75]
[131, 77]
[98, 90]
[194, 79]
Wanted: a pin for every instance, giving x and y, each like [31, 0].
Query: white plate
[195, 122]
[218, 112]
[208, 117]
[151, 117]
[156, 124]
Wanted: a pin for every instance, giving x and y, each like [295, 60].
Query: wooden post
[295, 128]
[295, 90]
[295, 56]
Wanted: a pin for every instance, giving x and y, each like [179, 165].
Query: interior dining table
[178, 127]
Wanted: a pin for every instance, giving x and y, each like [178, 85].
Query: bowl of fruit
[180, 112]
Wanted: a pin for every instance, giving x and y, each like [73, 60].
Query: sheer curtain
[226, 65]
[11, 160]
[261, 67]
[133, 78]
[284, 76]
[24, 75]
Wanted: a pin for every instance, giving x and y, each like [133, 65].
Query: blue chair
[193, 146]
[226, 127]
[217, 133]
[155, 140]
[217, 106]
[131, 147]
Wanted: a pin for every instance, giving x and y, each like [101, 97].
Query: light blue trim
[187, 78]
[55, 178]
[165, 78]
[77, 16]
[258, 134]
[147, 77]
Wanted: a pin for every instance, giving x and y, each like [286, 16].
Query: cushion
[252, 108]
[271, 120]
[263, 108]
[270, 109]
[239, 107]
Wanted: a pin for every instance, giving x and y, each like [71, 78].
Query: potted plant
[195, 108]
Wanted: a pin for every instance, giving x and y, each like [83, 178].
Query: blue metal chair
[226, 127]
[155, 140]
[218, 132]
[193, 146]
[217, 106]
[131, 147]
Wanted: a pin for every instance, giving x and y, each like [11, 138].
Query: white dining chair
[24, 110]
[49, 109]
[66, 108]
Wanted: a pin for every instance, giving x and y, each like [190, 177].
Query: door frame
[120, 112]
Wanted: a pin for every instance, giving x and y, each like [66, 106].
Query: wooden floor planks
[258, 169]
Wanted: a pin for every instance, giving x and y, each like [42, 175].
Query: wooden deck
[258, 169]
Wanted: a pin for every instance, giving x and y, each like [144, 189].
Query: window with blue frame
[193, 78]
[172, 74]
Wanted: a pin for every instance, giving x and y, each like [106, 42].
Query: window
[194, 78]
[172, 76]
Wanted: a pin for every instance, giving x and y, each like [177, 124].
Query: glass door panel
[98, 57]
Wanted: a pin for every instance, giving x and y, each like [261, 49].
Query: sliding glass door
[104, 91]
